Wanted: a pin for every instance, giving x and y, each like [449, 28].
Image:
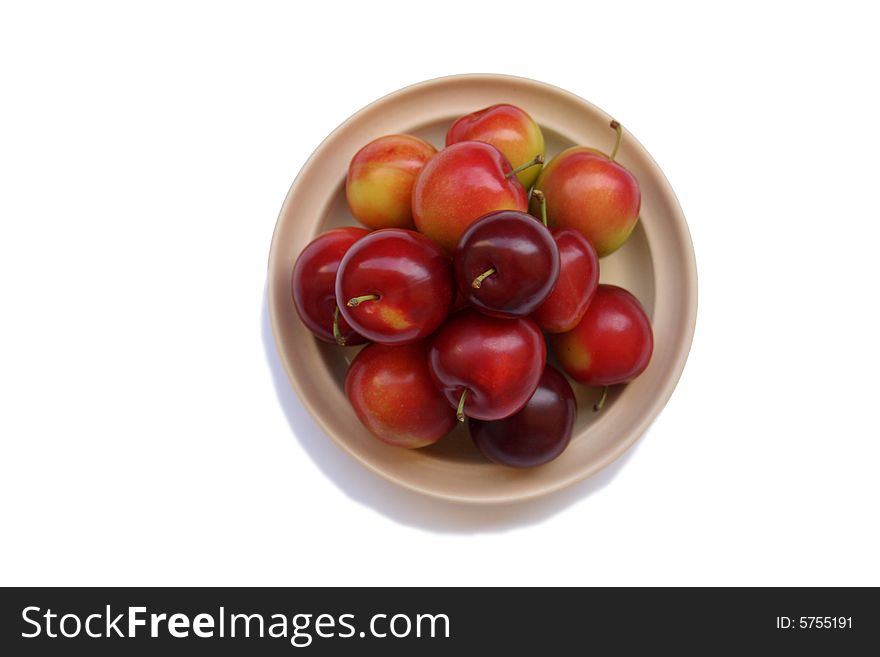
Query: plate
[656, 264]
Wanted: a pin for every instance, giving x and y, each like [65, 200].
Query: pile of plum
[473, 254]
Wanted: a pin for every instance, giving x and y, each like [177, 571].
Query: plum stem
[539, 159]
[478, 281]
[340, 339]
[542, 200]
[599, 404]
[616, 126]
[355, 302]
[459, 413]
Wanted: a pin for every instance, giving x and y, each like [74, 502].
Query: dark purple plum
[537, 433]
[506, 264]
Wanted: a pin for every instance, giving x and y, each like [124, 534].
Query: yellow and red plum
[509, 129]
[395, 286]
[393, 395]
[459, 185]
[380, 179]
[613, 342]
[588, 191]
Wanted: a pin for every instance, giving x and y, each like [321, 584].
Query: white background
[149, 435]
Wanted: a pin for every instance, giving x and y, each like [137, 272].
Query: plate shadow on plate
[401, 504]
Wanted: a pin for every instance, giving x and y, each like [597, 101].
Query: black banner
[421, 621]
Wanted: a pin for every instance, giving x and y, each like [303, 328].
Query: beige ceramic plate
[656, 264]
